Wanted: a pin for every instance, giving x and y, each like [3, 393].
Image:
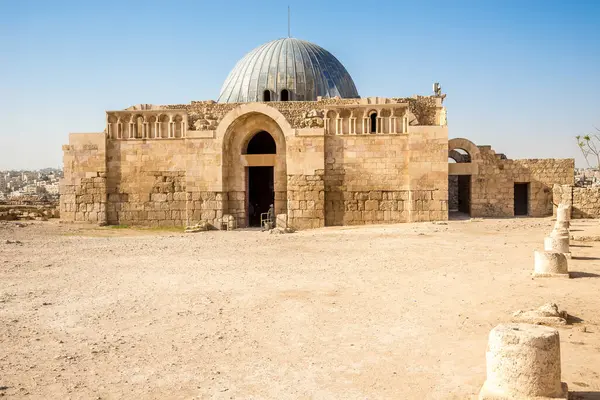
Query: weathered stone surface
[584, 201]
[550, 264]
[548, 314]
[557, 244]
[523, 362]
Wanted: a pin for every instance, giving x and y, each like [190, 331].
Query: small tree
[590, 146]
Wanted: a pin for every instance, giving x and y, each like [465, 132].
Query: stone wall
[386, 178]
[584, 201]
[154, 167]
[206, 115]
[83, 188]
[493, 178]
[146, 182]
[305, 201]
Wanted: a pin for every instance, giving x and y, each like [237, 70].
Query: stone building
[290, 129]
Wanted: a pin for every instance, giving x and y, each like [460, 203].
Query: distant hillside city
[30, 186]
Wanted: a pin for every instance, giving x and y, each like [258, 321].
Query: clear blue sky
[522, 76]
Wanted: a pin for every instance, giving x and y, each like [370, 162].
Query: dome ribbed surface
[303, 68]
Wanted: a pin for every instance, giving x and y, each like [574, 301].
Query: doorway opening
[521, 198]
[261, 193]
[285, 95]
[459, 195]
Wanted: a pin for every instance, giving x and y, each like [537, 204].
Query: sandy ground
[380, 312]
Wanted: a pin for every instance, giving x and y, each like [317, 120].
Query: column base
[486, 394]
[548, 275]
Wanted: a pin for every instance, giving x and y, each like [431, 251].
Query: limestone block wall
[492, 188]
[584, 201]
[146, 182]
[386, 178]
[83, 188]
[305, 179]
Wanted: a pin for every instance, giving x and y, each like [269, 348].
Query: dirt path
[382, 312]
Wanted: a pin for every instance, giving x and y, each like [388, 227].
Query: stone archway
[247, 159]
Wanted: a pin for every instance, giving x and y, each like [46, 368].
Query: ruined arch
[459, 156]
[464, 144]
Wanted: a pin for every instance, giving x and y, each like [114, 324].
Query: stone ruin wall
[492, 189]
[305, 182]
[160, 185]
[371, 179]
[206, 115]
[584, 201]
[83, 188]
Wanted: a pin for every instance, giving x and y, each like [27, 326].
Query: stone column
[326, 121]
[550, 264]
[131, 132]
[558, 244]
[523, 362]
[563, 213]
[157, 130]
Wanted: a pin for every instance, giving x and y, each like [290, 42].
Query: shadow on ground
[580, 274]
[584, 395]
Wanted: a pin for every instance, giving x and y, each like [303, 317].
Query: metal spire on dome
[289, 31]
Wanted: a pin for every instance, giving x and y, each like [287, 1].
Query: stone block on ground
[548, 314]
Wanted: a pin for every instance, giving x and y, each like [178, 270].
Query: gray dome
[302, 68]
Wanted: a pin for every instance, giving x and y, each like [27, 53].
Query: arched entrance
[260, 180]
[254, 162]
